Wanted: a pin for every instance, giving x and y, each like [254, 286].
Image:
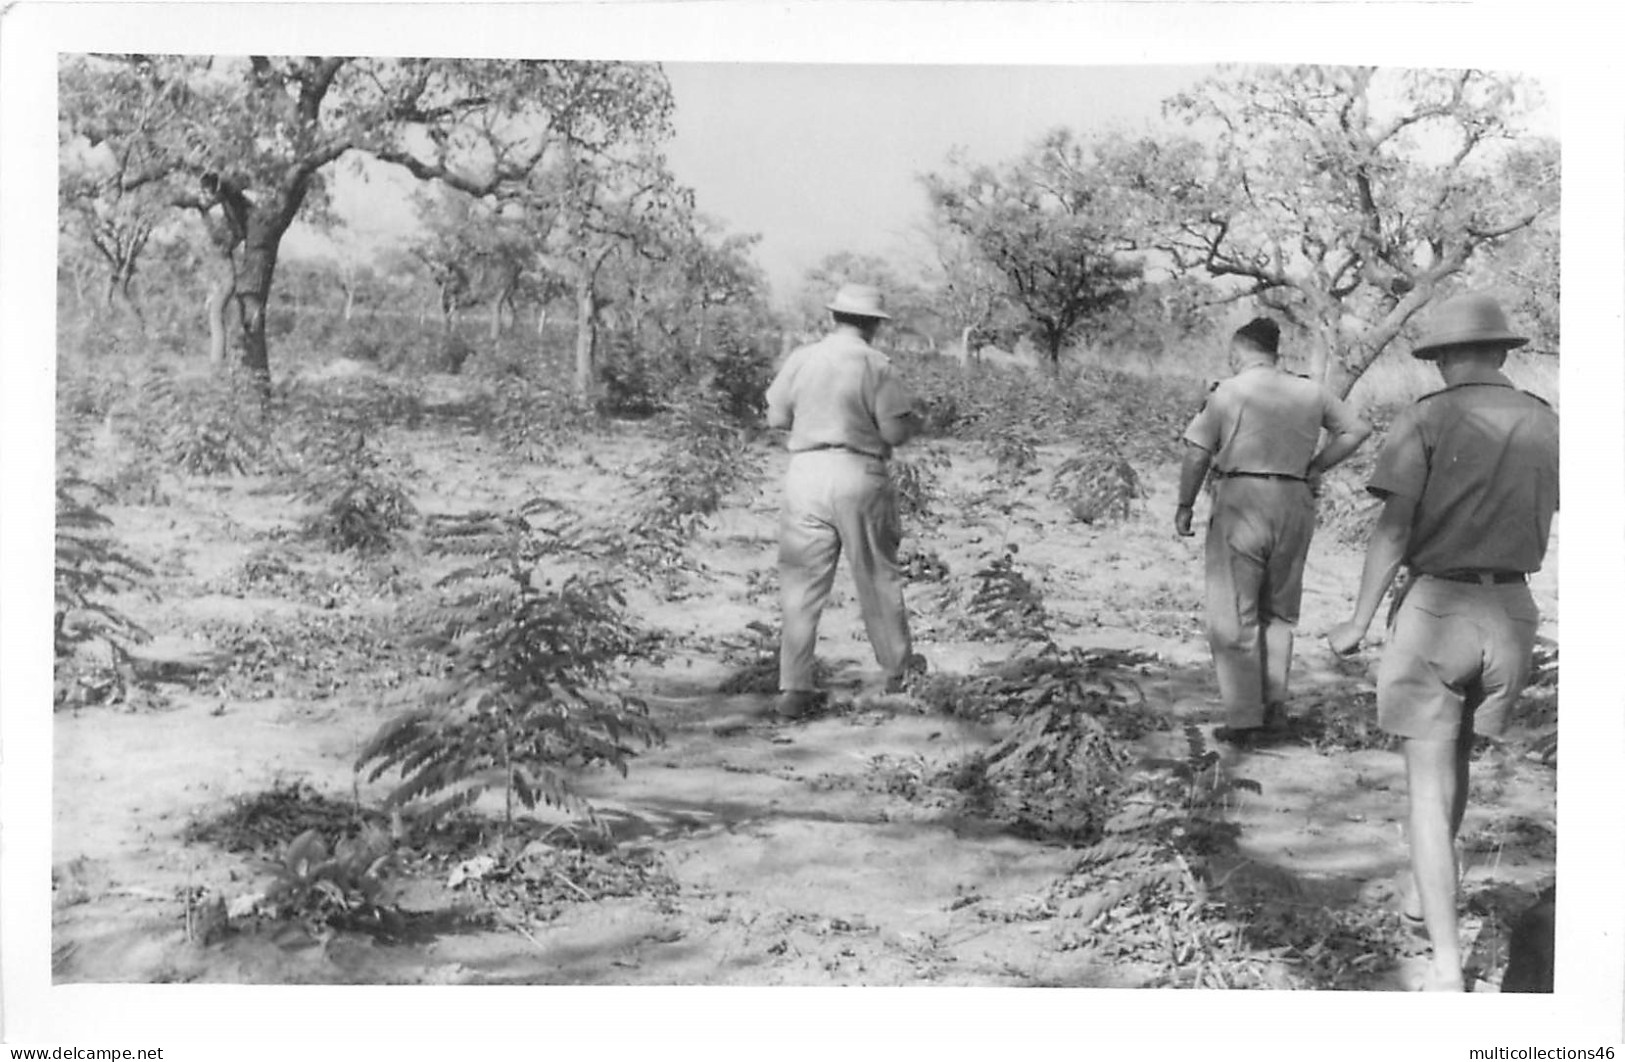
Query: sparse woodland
[416, 604]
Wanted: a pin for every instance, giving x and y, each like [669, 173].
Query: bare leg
[1435, 772]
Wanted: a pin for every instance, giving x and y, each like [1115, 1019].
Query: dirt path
[825, 852]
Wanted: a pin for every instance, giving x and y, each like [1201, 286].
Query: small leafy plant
[532, 692]
[90, 567]
[1015, 452]
[1006, 604]
[917, 481]
[345, 887]
[1097, 487]
[359, 503]
[207, 426]
[1142, 892]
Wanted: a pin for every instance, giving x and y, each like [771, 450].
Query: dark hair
[1263, 333]
[857, 320]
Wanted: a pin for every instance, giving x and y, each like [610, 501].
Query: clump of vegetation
[526, 417]
[532, 690]
[312, 656]
[359, 502]
[1006, 605]
[922, 565]
[1060, 770]
[1015, 453]
[1052, 777]
[266, 823]
[1346, 509]
[541, 881]
[90, 568]
[345, 887]
[705, 461]
[1340, 720]
[1096, 487]
[917, 480]
[1142, 891]
[632, 381]
[738, 370]
[330, 862]
[1096, 680]
[202, 425]
[1536, 710]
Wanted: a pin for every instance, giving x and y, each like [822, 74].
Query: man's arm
[899, 428]
[896, 412]
[1339, 447]
[779, 412]
[1192, 471]
[1389, 544]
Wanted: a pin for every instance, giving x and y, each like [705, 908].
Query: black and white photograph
[640, 513]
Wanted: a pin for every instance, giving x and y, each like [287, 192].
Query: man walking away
[1468, 477]
[1258, 432]
[846, 410]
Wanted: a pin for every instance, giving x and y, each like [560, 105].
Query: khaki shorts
[1457, 659]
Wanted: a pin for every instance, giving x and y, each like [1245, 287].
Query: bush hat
[1466, 319]
[859, 300]
[1261, 332]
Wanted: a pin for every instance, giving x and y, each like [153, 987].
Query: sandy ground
[804, 854]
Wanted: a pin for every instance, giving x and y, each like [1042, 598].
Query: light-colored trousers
[834, 502]
[1257, 542]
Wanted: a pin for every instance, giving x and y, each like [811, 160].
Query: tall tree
[1048, 222]
[476, 256]
[112, 171]
[906, 301]
[570, 151]
[1347, 198]
[967, 292]
[247, 143]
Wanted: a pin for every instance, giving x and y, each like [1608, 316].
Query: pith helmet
[859, 300]
[1466, 319]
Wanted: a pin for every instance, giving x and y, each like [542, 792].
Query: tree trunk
[586, 332]
[1053, 341]
[1320, 359]
[217, 306]
[254, 276]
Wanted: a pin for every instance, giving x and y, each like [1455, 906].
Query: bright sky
[819, 159]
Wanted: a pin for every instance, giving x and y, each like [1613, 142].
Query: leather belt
[1260, 475]
[841, 446]
[1483, 577]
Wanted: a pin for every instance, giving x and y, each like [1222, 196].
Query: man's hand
[1182, 521]
[1345, 638]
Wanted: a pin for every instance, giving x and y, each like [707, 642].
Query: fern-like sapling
[89, 566]
[359, 502]
[1006, 604]
[533, 690]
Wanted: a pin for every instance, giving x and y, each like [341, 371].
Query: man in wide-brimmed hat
[1468, 478]
[846, 410]
[1259, 433]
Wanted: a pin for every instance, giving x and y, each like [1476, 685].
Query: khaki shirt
[1264, 419]
[1480, 460]
[835, 393]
